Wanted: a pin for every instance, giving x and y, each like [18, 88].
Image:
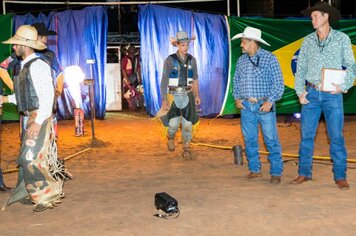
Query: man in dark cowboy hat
[34, 93]
[180, 78]
[50, 57]
[325, 48]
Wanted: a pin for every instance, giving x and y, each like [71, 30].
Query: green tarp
[285, 37]
[9, 111]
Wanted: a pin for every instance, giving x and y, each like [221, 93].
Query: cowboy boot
[170, 144]
[187, 154]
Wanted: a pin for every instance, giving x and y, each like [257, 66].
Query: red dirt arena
[114, 184]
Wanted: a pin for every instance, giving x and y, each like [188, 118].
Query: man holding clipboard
[322, 56]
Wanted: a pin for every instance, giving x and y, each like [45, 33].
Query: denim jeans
[251, 117]
[186, 128]
[332, 107]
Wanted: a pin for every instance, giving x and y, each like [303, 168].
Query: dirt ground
[114, 184]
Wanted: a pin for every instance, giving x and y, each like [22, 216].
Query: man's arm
[302, 66]
[349, 62]
[125, 79]
[236, 89]
[4, 75]
[278, 83]
[42, 82]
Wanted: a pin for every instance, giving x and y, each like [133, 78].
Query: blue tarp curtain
[157, 25]
[81, 35]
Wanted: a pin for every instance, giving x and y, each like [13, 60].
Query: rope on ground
[77, 153]
[65, 159]
[323, 158]
[211, 121]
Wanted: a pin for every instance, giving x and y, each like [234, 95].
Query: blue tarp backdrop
[81, 35]
[211, 49]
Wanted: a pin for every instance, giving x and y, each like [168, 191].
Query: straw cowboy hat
[323, 6]
[181, 37]
[42, 29]
[26, 35]
[251, 33]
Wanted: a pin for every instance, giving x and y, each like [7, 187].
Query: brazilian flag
[285, 37]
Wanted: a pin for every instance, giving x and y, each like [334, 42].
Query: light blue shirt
[335, 52]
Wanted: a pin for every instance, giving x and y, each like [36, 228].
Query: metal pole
[3, 8]
[90, 83]
[238, 8]
[228, 7]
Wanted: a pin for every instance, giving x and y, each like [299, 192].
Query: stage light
[167, 204]
[73, 76]
[297, 115]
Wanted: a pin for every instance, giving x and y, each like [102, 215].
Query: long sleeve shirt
[335, 52]
[258, 77]
[43, 84]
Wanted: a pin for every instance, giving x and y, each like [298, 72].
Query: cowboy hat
[42, 29]
[251, 33]
[181, 37]
[334, 14]
[26, 35]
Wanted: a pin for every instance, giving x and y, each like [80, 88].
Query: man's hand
[33, 130]
[303, 98]
[165, 105]
[238, 104]
[266, 106]
[337, 89]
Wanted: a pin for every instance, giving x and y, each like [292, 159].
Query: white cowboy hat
[251, 33]
[26, 35]
[181, 37]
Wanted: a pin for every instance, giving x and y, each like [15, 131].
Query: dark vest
[181, 71]
[26, 96]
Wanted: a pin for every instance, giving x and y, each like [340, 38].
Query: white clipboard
[329, 76]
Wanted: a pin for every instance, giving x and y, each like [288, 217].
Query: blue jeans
[250, 118]
[332, 107]
[186, 128]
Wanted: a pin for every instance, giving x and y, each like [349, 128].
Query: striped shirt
[258, 77]
[333, 52]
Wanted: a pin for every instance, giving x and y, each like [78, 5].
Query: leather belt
[176, 89]
[255, 100]
[316, 87]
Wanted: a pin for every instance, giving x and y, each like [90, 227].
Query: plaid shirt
[258, 77]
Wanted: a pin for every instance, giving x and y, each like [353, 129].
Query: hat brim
[29, 43]
[242, 35]
[175, 42]
[49, 33]
[334, 14]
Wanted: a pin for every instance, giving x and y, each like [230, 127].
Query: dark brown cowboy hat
[42, 29]
[334, 14]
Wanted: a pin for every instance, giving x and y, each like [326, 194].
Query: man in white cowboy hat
[34, 92]
[325, 48]
[180, 78]
[257, 85]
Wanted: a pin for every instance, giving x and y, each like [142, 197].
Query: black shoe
[3, 188]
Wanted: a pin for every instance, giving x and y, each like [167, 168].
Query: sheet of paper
[331, 76]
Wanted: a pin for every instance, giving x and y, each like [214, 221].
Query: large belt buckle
[180, 91]
[318, 87]
[252, 100]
